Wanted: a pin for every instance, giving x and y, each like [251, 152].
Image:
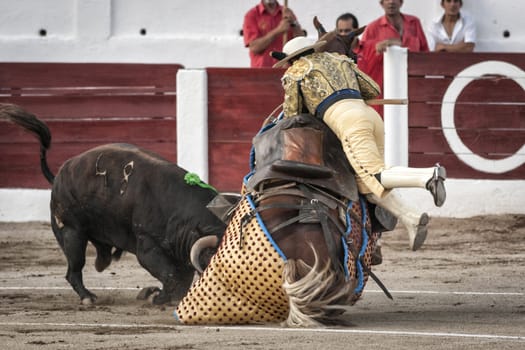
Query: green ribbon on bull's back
[194, 179]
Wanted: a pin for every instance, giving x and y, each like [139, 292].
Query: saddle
[302, 149]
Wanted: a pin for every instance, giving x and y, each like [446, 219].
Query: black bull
[123, 198]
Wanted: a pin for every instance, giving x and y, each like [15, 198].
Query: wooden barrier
[90, 104]
[239, 100]
[85, 105]
[488, 114]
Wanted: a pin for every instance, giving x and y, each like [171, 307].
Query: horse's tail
[317, 295]
[31, 123]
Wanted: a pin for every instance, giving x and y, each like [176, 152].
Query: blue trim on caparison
[360, 278]
[345, 258]
[246, 178]
[346, 235]
[364, 243]
[265, 230]
[348, 219]
[177, 318]
[364, 234]
[252, 159]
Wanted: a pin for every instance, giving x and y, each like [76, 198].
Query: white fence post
[396, 116]
[192, 121]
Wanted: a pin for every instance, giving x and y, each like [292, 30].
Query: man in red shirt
[265, 29]
[394, 28]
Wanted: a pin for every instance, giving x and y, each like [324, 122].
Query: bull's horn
[202, 243]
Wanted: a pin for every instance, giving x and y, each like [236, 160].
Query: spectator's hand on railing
[382, 45]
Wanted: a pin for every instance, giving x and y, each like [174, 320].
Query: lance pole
[387, 101]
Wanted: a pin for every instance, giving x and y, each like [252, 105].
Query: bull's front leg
[176, 280]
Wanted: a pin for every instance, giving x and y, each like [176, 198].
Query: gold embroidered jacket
[314, 77]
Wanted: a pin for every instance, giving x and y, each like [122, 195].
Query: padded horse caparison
[244, 281]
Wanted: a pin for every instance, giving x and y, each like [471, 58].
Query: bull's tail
[317, 296]
[31, 123]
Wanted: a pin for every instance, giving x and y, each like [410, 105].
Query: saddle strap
[323, 219]
[308, 211]
[323, 197]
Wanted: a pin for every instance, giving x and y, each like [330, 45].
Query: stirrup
[436, 185]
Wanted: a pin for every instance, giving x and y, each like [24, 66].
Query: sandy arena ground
[464, 290]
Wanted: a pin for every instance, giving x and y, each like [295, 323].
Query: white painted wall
[198, 33]
[465, 198]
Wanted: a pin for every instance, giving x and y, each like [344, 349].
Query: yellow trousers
[361, 132]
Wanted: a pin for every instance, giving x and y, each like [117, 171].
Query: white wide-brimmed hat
[294, 48]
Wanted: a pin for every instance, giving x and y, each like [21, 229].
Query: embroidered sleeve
[293, 102]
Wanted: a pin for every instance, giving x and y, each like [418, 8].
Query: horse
[336, 42]
[299, 242]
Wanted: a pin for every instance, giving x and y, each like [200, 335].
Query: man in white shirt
[454, 31]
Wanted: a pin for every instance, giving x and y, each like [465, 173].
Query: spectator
[344, 25]
[394, 28]
[454, 31]
[331, 87]
[266, 26]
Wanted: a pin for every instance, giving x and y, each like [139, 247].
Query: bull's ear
[278, 55]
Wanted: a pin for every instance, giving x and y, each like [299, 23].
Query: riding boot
[416, 224]
[430, 178]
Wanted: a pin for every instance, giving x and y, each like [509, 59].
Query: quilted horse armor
[244, 281]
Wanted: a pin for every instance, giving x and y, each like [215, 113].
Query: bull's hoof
[88, 298]
[161, 299]
[87, 301]
[148, 293]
